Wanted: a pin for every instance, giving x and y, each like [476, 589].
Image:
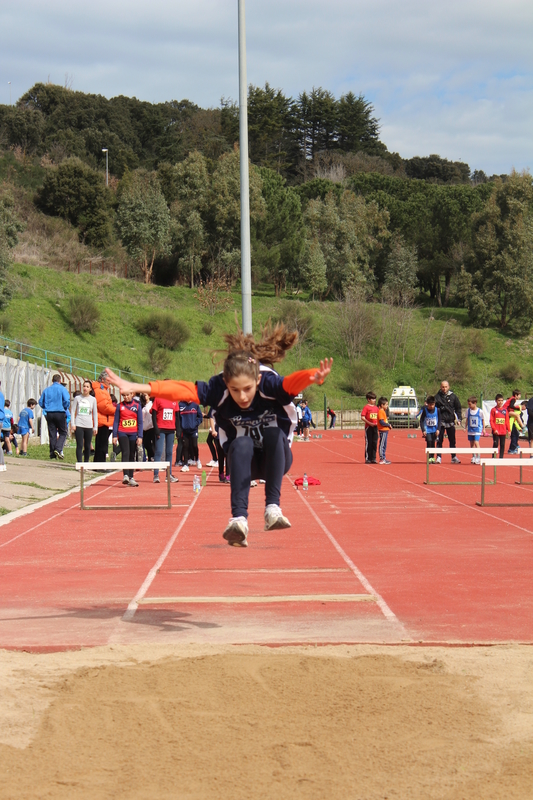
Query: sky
[453, 78]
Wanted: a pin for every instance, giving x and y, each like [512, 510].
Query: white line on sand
[262, 598]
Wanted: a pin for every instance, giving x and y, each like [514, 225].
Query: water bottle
[196, 484]
[305, 484]
[204, 477]
[140, 454]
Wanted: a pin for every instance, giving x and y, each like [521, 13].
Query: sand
[359, 722]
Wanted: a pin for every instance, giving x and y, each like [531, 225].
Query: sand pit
[333, 722]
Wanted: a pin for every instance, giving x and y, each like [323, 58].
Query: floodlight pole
[105, 150]
[246, 264]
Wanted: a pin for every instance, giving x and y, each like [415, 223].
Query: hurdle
[440, 451]
[521, 482]
[502, 462]
[84, 466]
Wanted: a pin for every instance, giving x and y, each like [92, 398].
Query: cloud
[453, 78]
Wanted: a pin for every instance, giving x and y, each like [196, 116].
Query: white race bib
[168, 414]
[254, 427]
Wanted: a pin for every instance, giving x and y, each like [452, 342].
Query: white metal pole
[246, 264]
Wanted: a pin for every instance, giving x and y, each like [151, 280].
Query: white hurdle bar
[451, 451]
[504, 462]
[116, 466]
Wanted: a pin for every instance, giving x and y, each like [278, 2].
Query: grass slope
[436, 346]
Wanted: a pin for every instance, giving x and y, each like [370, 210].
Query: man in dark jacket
[450, 408]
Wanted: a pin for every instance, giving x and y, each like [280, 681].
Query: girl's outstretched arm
[127, 386]
[321, 374]
[298, 381]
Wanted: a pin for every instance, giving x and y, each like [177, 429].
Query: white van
[403, 408]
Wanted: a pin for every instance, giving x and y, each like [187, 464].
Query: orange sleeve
[175, 390]
[296, 381]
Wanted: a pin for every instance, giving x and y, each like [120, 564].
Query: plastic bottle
[305, 484]
[196, 484]
[204, 477]
[140, 454]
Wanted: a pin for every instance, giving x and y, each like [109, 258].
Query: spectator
[25, 425]
[307, 420]
[85, 421]
[450, 409]
[148, 427]
[512, 406]
[333, 418]
[55, 402]
[164, 420]
[7, 429]
[2, 420]
[191, 418]
[106, 416]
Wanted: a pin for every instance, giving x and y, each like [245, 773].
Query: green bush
[83, 314]
[297, 317]
[478, 342]
[511, 372]
[158, 358]
[5, 324]
[208, 328]
[362, 377]
[164, 329]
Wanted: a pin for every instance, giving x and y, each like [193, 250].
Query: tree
[315, 269]
[77, 193]
[400, 273]
[10, 227]
[280, 231]
[498, 281]
[143, 220]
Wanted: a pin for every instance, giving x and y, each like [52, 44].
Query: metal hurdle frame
[502, 462]
[463, 450]
[116, 467]
[522, 482]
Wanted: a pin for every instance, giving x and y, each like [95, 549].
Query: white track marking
[261, 598]
[254, 571]
[48, 519]
[476, 509]
[134, 604]
[387, 612]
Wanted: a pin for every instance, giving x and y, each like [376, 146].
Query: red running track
[374, 555]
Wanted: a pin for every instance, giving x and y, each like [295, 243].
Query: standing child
[6, 428]
[384, 427]
[430, 423]
[128, 432]
[333, 417]
[191, 418]
[370, 416]
[499, 423]
[474, 427]
[164, 413]
[307, 420]
[25, 425]
[255, 415]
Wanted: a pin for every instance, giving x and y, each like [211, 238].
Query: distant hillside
[370, 349]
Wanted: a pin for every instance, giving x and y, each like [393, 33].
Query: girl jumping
[254, 414]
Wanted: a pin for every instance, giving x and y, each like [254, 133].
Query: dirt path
[249, 722]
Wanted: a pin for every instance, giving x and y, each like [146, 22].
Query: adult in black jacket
[449, 406]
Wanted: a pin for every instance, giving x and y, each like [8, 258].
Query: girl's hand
[95, 431]
[73, 429]
[115, 441]
[321, 374]
[139, 441]
[127, 386]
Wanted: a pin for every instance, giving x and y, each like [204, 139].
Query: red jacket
[499, 421]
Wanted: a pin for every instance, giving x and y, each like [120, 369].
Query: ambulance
[403, 408]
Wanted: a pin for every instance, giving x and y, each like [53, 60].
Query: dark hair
[382, 401]
[245, 355]
[516, 392]
[89, 381]
[77, 393]
[370, 396]
[7, 403]
[31, 402]
[499, 397]
[472, 399]
[430, 399]
[56, 378]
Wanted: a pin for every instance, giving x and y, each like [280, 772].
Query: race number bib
[128, 423]
[168, 414]
[254, 428]
[84, 409]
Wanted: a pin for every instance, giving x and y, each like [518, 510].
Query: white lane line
[60, 513]
[134, 604]
[386, 611]
[207, 571]
[476, 509]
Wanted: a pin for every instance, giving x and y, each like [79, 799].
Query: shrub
[297, 317]
[478, 342]
[362, 377]
[511, 372]
[158, 358]
[208, 328]
[83, 313]
[5, 324]
[164, 329]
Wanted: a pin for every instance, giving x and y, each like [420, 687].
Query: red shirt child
[370, 414]
[499, 419]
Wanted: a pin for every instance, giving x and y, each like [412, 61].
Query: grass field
[438, 342]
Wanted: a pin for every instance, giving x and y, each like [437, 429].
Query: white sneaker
[185, 468]
[173, 479]
[261, 480]
[133, 482]
[253, 484]
[274, 519]
[438, 459]
[236, 532]
[156, 479]
[199, 464]
[212, 463]
[473, 460]
[191, 463]
[125, 481]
